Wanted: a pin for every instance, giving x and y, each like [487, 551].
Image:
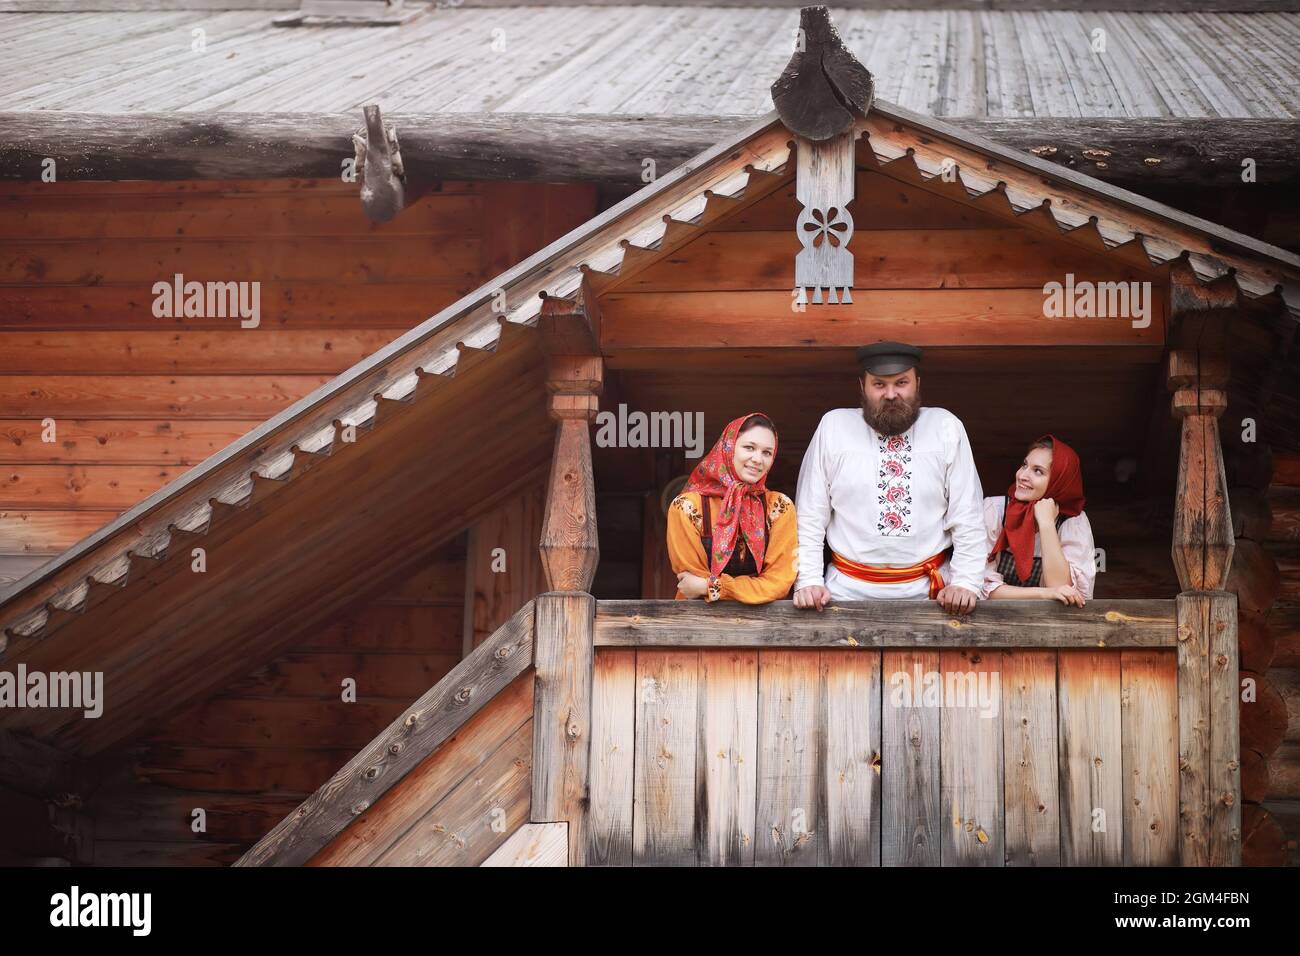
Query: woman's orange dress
[686, 550]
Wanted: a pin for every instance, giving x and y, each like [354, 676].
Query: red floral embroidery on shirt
[894, 485]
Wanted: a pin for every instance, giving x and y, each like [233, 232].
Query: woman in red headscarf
[729, 538]
[1040, 541]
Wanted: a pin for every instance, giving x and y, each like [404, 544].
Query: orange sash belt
[881, 575]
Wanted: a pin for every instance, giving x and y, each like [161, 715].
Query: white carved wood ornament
[819, 96]
[824, 181]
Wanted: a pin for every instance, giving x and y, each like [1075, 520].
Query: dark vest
[742, 561]
[1007, 560]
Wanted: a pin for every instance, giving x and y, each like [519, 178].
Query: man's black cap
[888, 358]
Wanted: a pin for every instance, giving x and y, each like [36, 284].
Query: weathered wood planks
[910, 762]
[790, 817]
[884, 624]
[911, 757]
[1091, 764]
[614, 699]
[1149, 729]
[533, 844]
[727, 757]
[1029, 729]
[664, 788]
[562, 713]
[970, 759]
[850, 701]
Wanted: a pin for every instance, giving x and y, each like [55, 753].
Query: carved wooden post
[566, 616]
[569, 547]
[1209, 798]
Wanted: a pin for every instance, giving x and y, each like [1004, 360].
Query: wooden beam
[1203, 538]
[879, 624]
[562, 714]
[606, 149]
[926, 317]
[1209, 791]
[429, 722]
[1179, 6]
[568, 326]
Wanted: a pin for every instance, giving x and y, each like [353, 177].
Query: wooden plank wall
[252, 753]
[137, 399]
[817, 758]
[947, 273]
[503, 564]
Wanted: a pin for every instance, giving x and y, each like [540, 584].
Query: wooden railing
[892, 733]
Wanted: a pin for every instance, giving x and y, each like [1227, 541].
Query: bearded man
[892, 488]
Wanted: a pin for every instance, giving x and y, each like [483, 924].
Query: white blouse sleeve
[1080, 553]
[992, 528]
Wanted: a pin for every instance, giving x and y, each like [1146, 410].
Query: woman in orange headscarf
[729, 538]
[1040, 541]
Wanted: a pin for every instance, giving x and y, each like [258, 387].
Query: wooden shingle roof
[688, 60]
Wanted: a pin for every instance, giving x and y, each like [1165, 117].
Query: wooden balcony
[882, 733]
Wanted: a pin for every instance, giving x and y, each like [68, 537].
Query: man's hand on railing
[956, 600]
[815, 596]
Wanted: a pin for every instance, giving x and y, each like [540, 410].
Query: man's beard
[892, 416]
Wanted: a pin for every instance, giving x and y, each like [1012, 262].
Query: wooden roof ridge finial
[823, 86]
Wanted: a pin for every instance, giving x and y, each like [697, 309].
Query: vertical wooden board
[1149, 716]
[1033, 809]
[562, 657]
[909, 728]
[1092, 769]
[727, 757]
[1193, 612]
[1225, 732]
[788, 822]
[663, 817]
[970, 735]
[851, 718]
[533, 844]
[503, 568]
[613, 739]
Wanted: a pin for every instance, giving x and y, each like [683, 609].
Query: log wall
[249, 755]
[138, 399]
[1278, 774]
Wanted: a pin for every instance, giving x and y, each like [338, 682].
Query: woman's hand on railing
[1066, 594]
[692, 585]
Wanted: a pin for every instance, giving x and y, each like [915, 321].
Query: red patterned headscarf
[1064, 486]
[742, 504]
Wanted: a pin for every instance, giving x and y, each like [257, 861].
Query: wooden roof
[688, 60]
[127, 583]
